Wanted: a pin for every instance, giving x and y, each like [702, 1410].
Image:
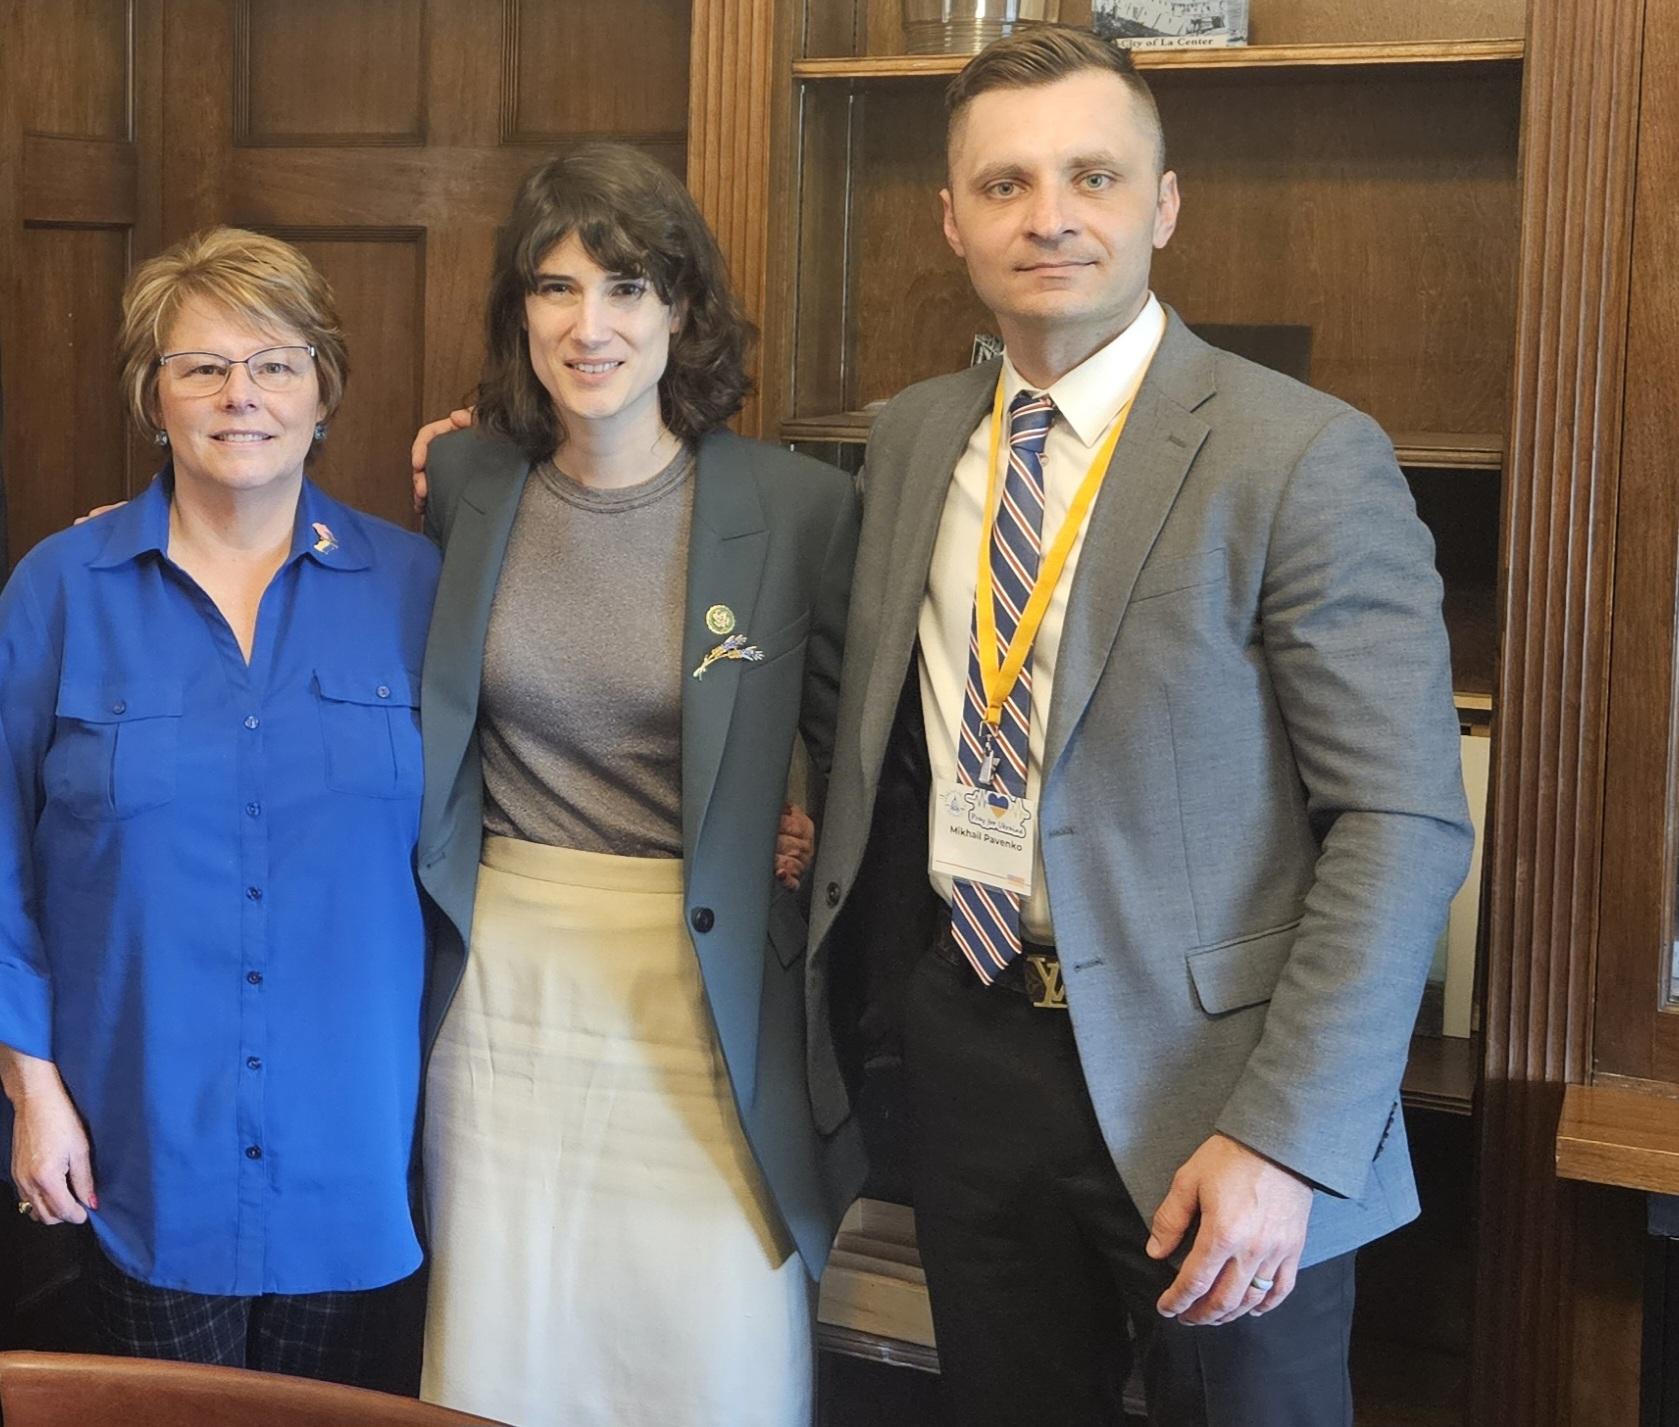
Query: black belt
[1034, 974]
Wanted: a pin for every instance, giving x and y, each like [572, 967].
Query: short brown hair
[633, 217]
[259, 279]
[1042, 54]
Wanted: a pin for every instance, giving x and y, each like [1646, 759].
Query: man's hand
[52, 1166]
[454, 421]
[1252, 1226]
[795, 845]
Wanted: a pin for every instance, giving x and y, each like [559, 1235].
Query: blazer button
[702, 919]
[833, 894]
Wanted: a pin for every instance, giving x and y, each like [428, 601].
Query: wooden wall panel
[78, 187]
[74, 55]
[740, 127]
[1539, 1285]
[61, 388]
[1640, 835]
[617, 67]
[378, 279]
[323, 72]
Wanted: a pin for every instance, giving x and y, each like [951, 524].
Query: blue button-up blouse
[208, 912]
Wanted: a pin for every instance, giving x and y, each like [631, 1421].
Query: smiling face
[242, 437]
[599, 341]
[1056, 205]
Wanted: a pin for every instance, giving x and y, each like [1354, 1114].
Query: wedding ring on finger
[1264, 1285]
[25, 1207]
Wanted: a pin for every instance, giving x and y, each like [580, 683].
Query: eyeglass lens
[203, 373]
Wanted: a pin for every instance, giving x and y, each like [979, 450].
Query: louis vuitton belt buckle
[1044, 986]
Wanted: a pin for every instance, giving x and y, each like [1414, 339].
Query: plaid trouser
[318, 1335]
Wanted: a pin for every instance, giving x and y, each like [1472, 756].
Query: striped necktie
[985, 921]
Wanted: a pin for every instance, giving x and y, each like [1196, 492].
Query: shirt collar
[1092, 394]
[325, 531]
[328, 532]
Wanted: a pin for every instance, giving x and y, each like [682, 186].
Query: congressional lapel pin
[325, 541]
[720, 619]
[734, 647]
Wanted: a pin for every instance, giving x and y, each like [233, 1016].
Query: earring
[320, 431]
[162, 438]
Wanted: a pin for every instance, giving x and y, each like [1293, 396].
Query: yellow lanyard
[997, 678]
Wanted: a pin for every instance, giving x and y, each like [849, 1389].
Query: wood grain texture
[1580, 111]
[322, 72]
[87, 181]
[1634, 1035]
[1612, 1135]
[618, 67]
[71, 452]
[1243, 57]
[739, 93]
[378, 278]
[72, 60]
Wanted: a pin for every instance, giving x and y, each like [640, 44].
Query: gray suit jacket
[1252, 812]
[773, 538]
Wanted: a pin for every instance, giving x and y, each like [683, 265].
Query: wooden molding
[1579, 123]
[737, 88]
[1237, 57]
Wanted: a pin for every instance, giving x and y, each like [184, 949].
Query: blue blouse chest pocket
[115, 747]
[370, 724]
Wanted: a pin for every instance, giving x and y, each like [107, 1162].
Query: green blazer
[773, 538]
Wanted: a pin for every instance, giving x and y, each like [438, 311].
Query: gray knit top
[580, 717]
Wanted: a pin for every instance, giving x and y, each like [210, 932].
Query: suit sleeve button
[702, 919]
[833, 894]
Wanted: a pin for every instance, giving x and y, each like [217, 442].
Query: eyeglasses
[206, 373]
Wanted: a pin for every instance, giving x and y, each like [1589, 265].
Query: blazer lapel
[454, 663]
[926, 476]
[1149, 466]
[726, 551]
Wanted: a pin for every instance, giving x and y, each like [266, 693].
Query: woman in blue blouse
[211, 946]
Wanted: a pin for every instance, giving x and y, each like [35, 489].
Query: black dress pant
[319, 1335]
[1034, 1251]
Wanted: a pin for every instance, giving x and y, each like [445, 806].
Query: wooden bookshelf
[1236, 57]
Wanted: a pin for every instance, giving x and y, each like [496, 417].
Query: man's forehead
[993, 127]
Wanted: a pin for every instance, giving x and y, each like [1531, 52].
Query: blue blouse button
[119, 707]
[251, 720]
[383, 691]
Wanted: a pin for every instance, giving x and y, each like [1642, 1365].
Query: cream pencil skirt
[602, 1250]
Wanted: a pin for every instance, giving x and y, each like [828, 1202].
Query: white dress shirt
[1088, 400]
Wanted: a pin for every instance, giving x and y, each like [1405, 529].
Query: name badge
[984, 835]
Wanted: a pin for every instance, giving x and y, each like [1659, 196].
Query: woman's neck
[234, 526]
[605, 457]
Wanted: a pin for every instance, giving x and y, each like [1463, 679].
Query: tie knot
[1030, 415]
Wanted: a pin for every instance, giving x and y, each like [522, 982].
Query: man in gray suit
[1167, 880]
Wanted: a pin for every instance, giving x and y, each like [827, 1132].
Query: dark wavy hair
[633, 217]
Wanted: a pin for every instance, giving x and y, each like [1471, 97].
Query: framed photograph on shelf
[1171, 24]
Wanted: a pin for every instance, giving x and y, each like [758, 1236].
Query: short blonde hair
[261, 280]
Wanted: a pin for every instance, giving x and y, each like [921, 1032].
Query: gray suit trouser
[1034, 1251]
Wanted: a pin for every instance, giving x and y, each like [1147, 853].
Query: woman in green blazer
[638, 614]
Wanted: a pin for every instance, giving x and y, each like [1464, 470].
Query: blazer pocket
[783, 641]
[1186, 572]
[1242, 972]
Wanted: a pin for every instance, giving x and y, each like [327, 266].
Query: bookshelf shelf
[1235, 58]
